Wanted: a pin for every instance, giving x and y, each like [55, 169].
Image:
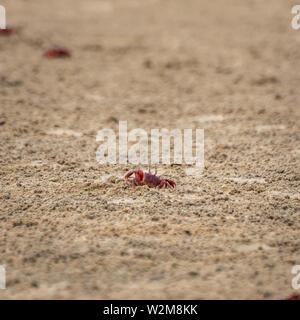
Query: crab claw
[128, 174]
[139, 174]
[172, 183]
[167, 183]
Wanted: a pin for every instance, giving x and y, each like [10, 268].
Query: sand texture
[72, 228]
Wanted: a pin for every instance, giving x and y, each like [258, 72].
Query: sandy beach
[71, 228]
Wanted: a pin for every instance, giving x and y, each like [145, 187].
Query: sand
[72, 228]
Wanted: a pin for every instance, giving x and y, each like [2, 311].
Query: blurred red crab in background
[293, 297]
[57, 52]
[8, 31]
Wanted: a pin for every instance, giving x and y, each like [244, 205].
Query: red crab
[293, 297]
[57, 52]
[149, 179]
[8, 31]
